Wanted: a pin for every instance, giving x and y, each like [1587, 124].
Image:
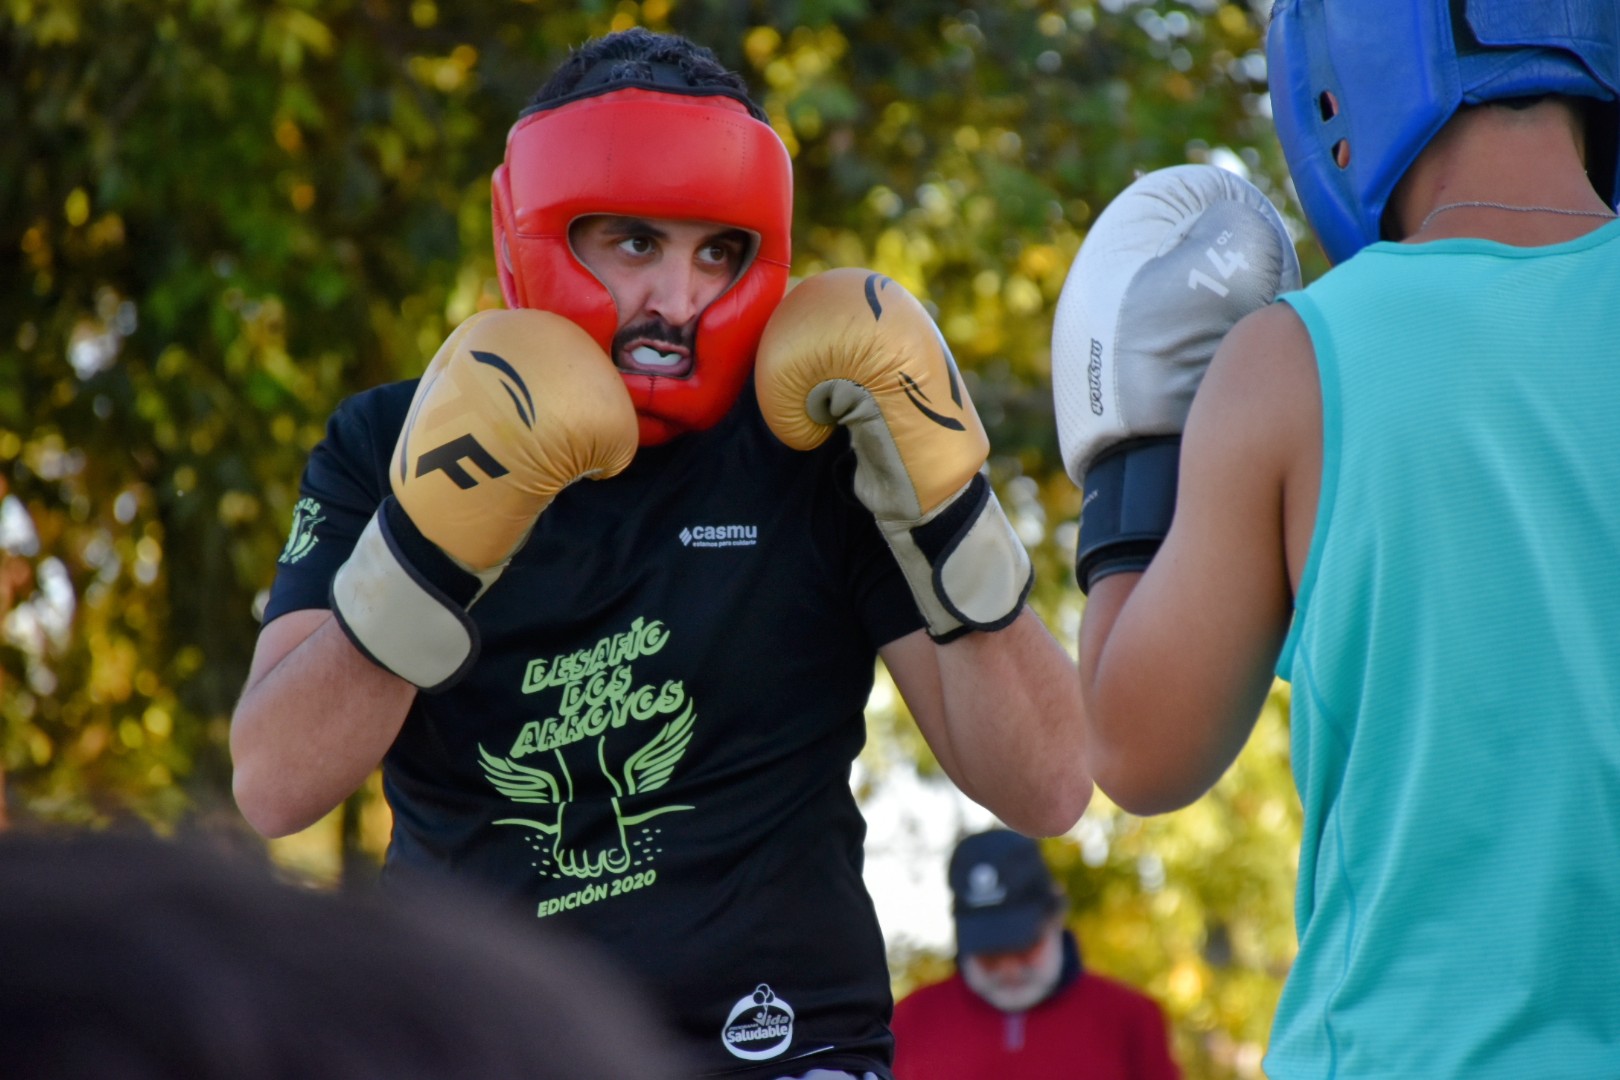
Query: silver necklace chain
[1437, 211]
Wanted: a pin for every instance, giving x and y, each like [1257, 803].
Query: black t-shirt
[654, 745]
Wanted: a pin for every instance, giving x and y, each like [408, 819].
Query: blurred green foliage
[219, 217]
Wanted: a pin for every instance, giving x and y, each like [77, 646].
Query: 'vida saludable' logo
[760, 1026]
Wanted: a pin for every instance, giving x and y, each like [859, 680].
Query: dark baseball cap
[1002, 892]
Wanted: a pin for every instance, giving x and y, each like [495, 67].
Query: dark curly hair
[641, 55]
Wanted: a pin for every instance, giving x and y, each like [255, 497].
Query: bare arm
[1002, 713]
[315, 719]
[1175, 663]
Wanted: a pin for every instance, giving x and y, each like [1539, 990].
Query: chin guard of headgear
[1398, 70]
[653, 150]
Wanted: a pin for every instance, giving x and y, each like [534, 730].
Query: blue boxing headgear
[1397, 71]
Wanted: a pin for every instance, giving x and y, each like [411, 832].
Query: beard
[1017, 989]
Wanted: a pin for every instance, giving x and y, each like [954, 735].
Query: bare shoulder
[1262, 404]
[1265, 368]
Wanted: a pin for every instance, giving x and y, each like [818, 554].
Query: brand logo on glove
[875, 284]
[1094, 377]
[525, 408]
[915, 395]
[1226, 264]
[450, 456]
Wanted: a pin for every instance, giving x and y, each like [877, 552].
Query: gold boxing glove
[515, 406]
[852, 347]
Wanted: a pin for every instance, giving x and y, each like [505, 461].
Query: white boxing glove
[1169, 267]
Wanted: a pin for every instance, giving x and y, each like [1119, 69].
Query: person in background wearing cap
[629, 706]
[1020, 1004]
[1398, 491]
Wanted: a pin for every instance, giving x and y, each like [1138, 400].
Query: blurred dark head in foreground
[125, 958]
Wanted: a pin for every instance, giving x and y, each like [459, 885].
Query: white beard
[1024, 989]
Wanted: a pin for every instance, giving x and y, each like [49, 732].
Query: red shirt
[1093, 1028]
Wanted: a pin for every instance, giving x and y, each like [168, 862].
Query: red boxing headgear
[655, 153]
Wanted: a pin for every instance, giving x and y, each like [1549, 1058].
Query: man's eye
[720, 254]
[636, 245]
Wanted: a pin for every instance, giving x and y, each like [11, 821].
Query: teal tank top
[1455, 667]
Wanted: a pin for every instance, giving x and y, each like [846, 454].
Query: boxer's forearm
[1002, 713]
[314, 721]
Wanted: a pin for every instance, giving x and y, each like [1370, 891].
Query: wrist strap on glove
[403, 602]
[1129, 501]
[966, 566]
